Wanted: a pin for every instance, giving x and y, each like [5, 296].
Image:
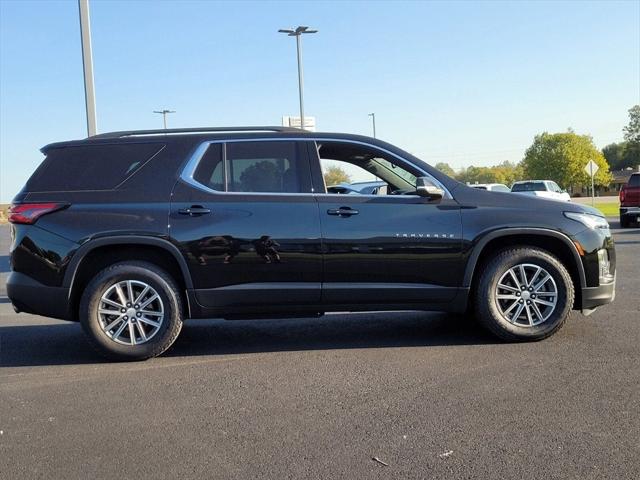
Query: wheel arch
[553, 241]
[99, 253]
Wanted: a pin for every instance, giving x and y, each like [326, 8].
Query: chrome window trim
[192, 164]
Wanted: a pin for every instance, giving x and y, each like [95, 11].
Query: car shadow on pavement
[64, 343]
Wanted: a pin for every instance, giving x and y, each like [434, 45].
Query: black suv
[133, 232]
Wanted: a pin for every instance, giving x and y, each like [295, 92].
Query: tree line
[560, 157]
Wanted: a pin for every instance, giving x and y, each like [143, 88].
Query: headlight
[588, 220]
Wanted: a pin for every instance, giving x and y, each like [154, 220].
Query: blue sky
[461, 82]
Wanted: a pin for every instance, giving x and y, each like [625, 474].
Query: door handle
[194, 211]
[342, 211]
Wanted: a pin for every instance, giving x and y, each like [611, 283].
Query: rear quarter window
[634, 180]
[90, 167]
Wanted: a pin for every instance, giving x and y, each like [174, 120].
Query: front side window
[554, 187]
[254, 167]
[362, 170]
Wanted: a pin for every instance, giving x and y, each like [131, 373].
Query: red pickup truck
[630, 201]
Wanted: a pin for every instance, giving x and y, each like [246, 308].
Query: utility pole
[298, 32]
[373, 118]
[164, 116]
[87, 67]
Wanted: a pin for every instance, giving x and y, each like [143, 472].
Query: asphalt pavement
[429, 395]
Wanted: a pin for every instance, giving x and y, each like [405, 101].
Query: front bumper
[593, 297]
[30, 296]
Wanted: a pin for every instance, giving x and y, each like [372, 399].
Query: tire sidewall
[130, 271]
[501, 265]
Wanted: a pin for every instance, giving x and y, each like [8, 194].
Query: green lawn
[608, 209]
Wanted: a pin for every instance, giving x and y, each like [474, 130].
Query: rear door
[247, 223]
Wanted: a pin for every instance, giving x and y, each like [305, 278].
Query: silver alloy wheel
[526, 295]
[130, 312]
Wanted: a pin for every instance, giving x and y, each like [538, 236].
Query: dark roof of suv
[198, 135]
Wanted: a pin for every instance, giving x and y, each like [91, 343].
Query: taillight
[28, 213]
[622, 194]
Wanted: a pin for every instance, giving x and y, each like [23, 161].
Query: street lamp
[298, 34]
[87, 67]
[373, 119]
[164, 116]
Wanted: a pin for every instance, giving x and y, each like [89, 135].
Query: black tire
[624, 221]
[486, 303]
[167, 290]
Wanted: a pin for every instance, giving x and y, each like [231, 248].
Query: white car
[541, 188]
[493, 187]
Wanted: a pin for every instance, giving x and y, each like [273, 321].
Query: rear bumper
[593, 297]
[630, 211]
[30, 296]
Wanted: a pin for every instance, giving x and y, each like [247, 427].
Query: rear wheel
[131, 311]
[524, 294]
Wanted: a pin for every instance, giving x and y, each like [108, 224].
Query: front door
[246, 222]
[386, 247]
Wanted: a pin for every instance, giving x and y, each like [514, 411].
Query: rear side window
[529, 187]
[210, 171]
[90, 167]
[255, 167]
[634, 180]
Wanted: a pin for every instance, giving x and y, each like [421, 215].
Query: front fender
[482, 240]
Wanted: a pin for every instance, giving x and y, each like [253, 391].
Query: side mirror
[426, 188]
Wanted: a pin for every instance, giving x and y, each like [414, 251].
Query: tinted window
[529, 187]
[270, 167]
[90, 167]
[274, 167]
[210, 171]
[634, 181]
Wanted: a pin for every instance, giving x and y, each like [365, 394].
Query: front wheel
[131, 311]
[524, 294]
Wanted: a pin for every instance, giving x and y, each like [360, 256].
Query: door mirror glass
[426, 188]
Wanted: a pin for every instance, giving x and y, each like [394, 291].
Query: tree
[505, 172]
[614, 153]
[562, 157]
[626, 154]
[335, 175]
[632, 131]
[508, 172]
[446, 169]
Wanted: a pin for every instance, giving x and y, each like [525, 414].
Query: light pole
[373, 119]
[164, 116]
[298, 34]
[87, 67]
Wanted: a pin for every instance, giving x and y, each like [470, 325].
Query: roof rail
[170, 131]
